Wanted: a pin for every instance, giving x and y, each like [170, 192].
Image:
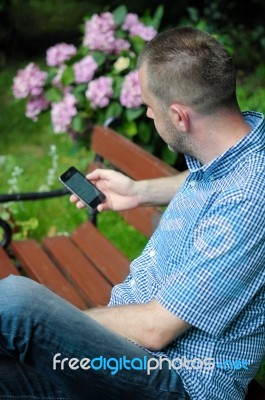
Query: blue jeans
[36, 324]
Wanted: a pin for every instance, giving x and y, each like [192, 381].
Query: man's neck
[215, 135]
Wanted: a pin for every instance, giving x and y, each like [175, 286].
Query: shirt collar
[252, 142]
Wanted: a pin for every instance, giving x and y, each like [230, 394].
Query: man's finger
[73, 198]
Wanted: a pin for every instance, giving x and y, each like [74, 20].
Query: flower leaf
[138, 44]
[129, 128]
[51, 75]
[156, 20]
[117, 84]
[168, 156]
[114, 110]
[81, 88]
[53, 94]
[145, 131]
[99, 57]
[119, 14]
[68, 76]
[78, 123]
[133, 113]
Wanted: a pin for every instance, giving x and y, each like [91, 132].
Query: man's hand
[120, 190]
[123, 193]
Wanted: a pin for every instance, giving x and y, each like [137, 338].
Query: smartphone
[79, 185]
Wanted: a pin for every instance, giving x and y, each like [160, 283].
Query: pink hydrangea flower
[131, 93]
[120, 45]
[84, 70]
[35, 105]
[60, 53]
[130, 20]
[99, 33]
[137, 28]
[29, 81]
[145, 32]
[63, 112]
[99, 92]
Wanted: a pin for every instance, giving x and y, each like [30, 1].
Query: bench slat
[6, 266]
[78, 269]
[127, 156]
[107, 258]
[39, 267]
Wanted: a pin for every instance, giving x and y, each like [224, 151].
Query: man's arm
[157, 192]
[124, 193]
[150, 325]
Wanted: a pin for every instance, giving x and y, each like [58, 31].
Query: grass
[26, 145]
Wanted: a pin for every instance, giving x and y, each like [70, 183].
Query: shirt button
[152, 253]
[193, 183]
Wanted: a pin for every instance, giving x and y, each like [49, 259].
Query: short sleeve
[223, 268]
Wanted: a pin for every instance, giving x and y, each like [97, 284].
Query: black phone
[79, 185]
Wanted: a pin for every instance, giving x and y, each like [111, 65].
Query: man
[196, 294]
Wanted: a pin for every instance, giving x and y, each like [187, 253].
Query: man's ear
[180, 116]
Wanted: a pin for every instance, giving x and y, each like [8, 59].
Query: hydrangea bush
[88, 84]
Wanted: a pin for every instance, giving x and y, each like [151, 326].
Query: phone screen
[79, 185]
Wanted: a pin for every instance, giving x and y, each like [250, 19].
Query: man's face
[161, 116]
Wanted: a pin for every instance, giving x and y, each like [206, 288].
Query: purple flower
[131, 93]
[35, 105]
[99, 92]
[59, 53]
[120, 45]
[29, 81]
[84, 70]
[137, 28]
[130, 20]
[63, 112]
[99, 33]
[145, 32]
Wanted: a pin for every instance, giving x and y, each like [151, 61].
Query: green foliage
[119, 14]
[78, 123]
[156, 20]
[251, 89]
[68, 76]
[53, 94]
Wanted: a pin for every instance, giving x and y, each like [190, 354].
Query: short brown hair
[191, 67]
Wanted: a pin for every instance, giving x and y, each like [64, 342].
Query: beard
[177, 141]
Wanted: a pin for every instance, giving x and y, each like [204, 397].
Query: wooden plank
[39, 267]
[6, 265]
[127, 156]
[79, 270]
[109, 260]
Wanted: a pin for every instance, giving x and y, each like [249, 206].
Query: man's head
[189, 67]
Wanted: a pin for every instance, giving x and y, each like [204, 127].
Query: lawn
[32, 158]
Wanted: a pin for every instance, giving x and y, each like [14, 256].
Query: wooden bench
[84, 267]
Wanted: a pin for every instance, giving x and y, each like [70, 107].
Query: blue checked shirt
[205, 263]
